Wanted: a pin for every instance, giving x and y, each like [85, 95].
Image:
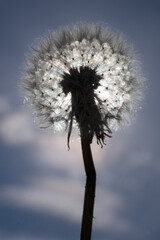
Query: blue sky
[41, 183]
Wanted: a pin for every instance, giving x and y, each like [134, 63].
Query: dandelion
[83, 77]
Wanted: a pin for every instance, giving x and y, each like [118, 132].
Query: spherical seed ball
[83, 76]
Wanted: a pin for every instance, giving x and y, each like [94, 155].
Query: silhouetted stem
[88, 207]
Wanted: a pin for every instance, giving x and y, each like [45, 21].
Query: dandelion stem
[88, 207]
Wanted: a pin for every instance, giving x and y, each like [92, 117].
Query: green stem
[88, 207]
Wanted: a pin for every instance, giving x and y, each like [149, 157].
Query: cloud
[15, 128]
[45, 193]
[123, 170]
[51, 151]
[4, 104]
[107, 207]
[49, 195]
[65, 198]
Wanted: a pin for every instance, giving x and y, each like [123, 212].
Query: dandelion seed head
[83, 77]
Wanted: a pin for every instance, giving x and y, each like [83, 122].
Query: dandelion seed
[87, 77]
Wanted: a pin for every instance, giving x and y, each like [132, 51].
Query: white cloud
[65, 198]
[15, 128]
[4, 104]
[107, 207]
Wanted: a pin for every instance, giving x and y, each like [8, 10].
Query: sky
[41, 182]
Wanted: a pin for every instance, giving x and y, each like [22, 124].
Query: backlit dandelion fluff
[84, 78]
